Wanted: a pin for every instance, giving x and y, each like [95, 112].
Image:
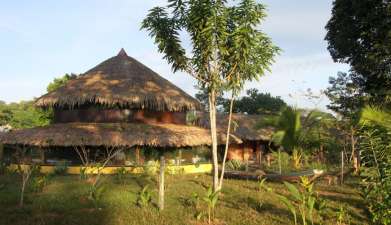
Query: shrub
[235, 165]
[120, 175]
[38, 183]
[3, 168]
[144, 197]
[95, 194]
[151, 168]
[83, 173]
[60, 168]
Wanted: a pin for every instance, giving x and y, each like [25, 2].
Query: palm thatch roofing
[121, 81]
[245, 127]
[112, 134]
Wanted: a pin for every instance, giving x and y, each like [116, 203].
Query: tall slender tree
[227, 47]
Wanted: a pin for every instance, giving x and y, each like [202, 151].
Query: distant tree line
[24, 114]
[254, 102]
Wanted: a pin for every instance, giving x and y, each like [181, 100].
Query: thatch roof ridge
[124, 81]
[111, 134]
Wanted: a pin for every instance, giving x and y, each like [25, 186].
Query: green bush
[144, 197]
[120, 175]
[235, 165]
[38, 183]
[3, 168]
[95, 194]
[60, 168]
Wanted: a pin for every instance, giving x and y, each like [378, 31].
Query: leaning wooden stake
[161, 183]
[342, 165]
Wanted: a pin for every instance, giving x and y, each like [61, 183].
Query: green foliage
[358, 34]
[235, 165]
[59, 82]
[120, 175]
[151, 168]
[345, 95]
[144, 197]
[83, 173]
[282, 161]
[95, 193]
[300, 200]
[210, 199]
[3, 168]
[61, 168]
[38, 183]
[256, 103]
[227, 46]
[23, 115]
[343, 217]
[376, 159]
[296, 158]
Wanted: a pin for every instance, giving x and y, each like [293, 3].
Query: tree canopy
[256, 102]
[359, 33]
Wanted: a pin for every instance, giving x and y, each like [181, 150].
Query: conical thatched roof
[121, 81]
[112, 134]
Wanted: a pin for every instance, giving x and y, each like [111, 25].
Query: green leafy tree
[358, 33]
[257, 103]
[59, 82]
[346, 99]
[227, 47]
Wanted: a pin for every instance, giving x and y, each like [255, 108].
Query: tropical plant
[375, 149]
[211, 198]
[95, 193]
[296, 158]
[302, 200]
[120, 175]
[342, 216]
[144, 197]
[227, 48]
[38, 183]
[83, 173]
[235, 164]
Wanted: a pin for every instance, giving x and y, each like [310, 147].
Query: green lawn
[63, 201]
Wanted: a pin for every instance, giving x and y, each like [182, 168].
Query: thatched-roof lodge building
[122, 103]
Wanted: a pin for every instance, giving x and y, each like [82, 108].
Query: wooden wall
[118, 115]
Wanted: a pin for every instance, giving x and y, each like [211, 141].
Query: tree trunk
[161, 183]
[213, 130]
[226, 143]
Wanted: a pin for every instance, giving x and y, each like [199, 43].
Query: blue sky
[44, 39]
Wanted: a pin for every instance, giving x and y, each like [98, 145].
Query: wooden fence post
[161, 183]
[342, 165]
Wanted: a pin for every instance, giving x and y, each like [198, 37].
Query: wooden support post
[42, 156]
[1, 152]
[137, 151]
[342, 165]
[356, 162]
[161, 183]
